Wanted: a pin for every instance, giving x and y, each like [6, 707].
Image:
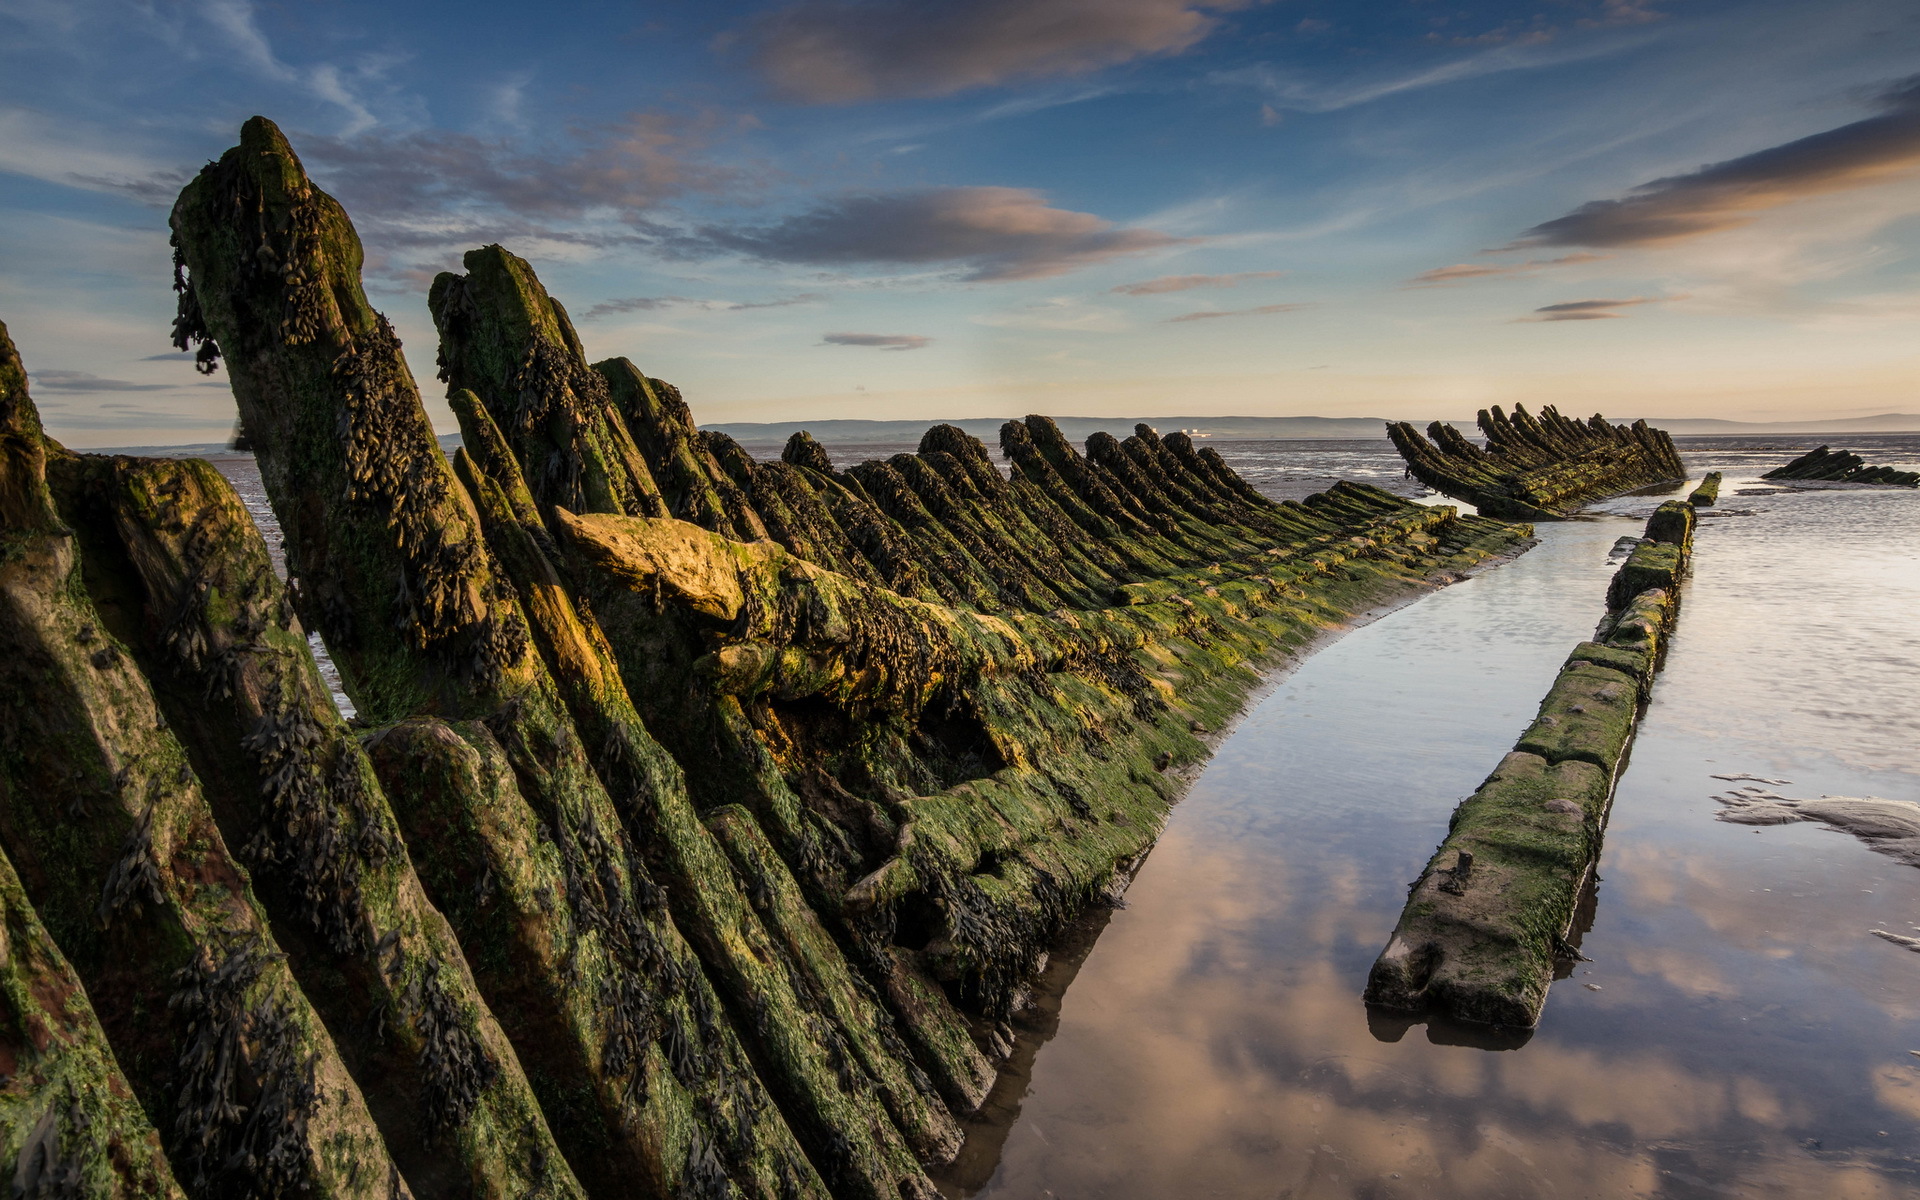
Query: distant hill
[1079, 429]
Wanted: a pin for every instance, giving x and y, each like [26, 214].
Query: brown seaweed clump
[1541, 468]
[703, 820]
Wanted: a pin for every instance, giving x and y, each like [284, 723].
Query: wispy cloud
[629, 166]
[1592, 310]
[994, 233]
[1729, 194]
[326, 81]
[1285, 91]
[629, 304]
[75, 155]
[1185, 283]
[82, 381]
[1461, 272]
[882, 341]
[837, 51]
[1237, 312]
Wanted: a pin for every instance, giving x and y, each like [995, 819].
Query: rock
[1708, 491]
[1841, 466]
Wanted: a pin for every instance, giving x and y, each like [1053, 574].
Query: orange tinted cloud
[1183, 283]
[1000, 233]
[834, 52]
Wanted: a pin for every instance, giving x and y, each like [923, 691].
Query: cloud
[1729, 194]
[629, 304]
[235, 19]
[629, 166]
[1183, 283]
[67, 152]
[82, 381]
[783, 302]
[836, 51]
[884, 341]
[997, 233]
[1460, 272]
[1593, 310]
[1237, 312]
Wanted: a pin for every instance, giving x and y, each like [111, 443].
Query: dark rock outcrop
[1841, 466]
[1540, 468]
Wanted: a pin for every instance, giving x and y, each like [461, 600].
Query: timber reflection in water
[1738, 1033]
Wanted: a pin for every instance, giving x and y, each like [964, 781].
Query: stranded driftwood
[1488, 919]
[703, 818]
[1540, 468]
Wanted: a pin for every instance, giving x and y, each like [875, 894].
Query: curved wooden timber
[1542, 468]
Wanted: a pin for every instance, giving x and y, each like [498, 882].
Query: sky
[928, 209]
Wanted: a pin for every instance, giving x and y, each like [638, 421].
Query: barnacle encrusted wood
[1841, 466]
[707, 817]
[1540, 468]
[1487, 922]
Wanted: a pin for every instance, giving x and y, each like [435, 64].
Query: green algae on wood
[1487, 922]
[69, 1123]
[1540, 468]
[1708, 491]
[292, 788]
[414, 531]
[106, 822]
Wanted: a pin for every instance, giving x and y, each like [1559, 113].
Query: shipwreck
[702, 819]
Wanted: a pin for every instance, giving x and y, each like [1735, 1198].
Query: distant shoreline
[1221, 429]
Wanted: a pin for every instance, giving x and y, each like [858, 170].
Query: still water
[1738, 1032]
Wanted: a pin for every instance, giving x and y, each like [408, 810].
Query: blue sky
[951, 208]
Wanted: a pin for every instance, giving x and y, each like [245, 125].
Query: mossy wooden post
[839, 1110]
[1490, 917]
[395, 569]
[503, 338]
[103, 817]
[1708, 491]
[182, 576]
[69, 1123]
